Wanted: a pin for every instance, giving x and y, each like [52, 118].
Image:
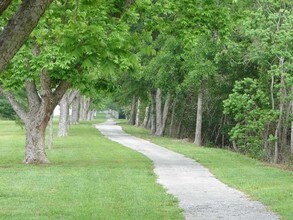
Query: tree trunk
[153, 113]
[160, 131]
[4, 5]
[158, 112]
[132, 112]
[87, 109]
[146, 117]
[89, 115]
[63, 118]
[35, 143]
[50, 144]
[291, 147]
[137, 113]
[19, 28]
[197, 139]
[93, 113]
[291, 104]
[64, 113]
[81, 107]
[172, 116]
[75, 109]
[41, 105]
[282, 92]
[179, 129]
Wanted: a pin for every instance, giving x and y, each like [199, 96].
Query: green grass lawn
[272, 186]
[89, 177]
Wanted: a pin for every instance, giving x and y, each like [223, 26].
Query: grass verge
[89, 177]
[272, 186]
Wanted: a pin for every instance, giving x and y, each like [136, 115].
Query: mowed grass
[89, 177]
[272, 186]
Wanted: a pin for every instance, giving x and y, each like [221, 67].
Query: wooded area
[218, 73]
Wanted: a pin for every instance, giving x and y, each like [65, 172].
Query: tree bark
[50, 144]
[146, 117]
[153, 113]
[291, 104]
[158, 112]
[160, 130]
[291, 145]
[197, 139]
[35, 142]
[132, 112]
[172, 116]
[87, 109]
[4, 5]
[281, 112]
[63, 117]
[75, 109]
[81, 107]
[64, 113]
[137, 117]
[19, 28]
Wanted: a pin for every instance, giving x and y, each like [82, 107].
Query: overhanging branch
[19, 28]
[4, 5]
[15, 104]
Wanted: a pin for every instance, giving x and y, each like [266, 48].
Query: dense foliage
[228, 68]
[216, 72]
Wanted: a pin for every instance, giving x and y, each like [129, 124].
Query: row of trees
[80, 45]
[218, 73]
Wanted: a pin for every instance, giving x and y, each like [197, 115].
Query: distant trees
[201, 53]
[216, 72]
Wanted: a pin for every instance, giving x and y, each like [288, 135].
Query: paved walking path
[201, 195]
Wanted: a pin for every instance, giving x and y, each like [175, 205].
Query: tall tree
[19, 27]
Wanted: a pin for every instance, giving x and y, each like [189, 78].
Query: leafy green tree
[21, 23]
[250, 108]
[75, 43]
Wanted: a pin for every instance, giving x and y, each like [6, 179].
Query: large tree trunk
[153, 113]
[132, 112]
[160, 130]
[291, 147]
[19, 28]
[35, 142]
[137, 121]
[197, 139]
[63, 117]
[64, 112]
[172, 116]
[278, 131]
[75, 109]
[291, 104]
[4, 5]
[87, 111]
[81, 107]
[146, 117]
[41, 105]
[158, 112]
[50, 144]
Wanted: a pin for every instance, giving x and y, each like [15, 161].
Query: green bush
[250, 108]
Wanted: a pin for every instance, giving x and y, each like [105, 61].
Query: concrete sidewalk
[201, 195]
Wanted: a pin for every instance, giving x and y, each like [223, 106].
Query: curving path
[201, 195]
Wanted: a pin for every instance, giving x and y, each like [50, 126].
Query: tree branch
[3, 5]
[32, 94]
[19, 28]
[72, 96]
[59, 92]
[15, 104]
[46, 90]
